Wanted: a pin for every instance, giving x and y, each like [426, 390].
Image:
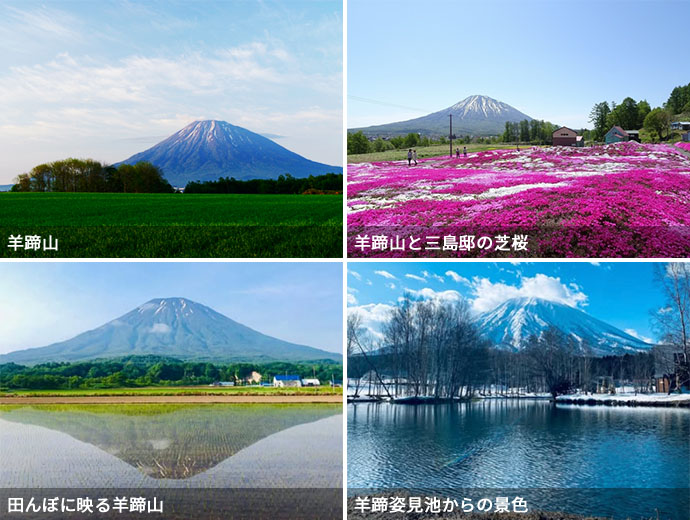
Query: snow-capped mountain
[207, 150]
[515, 320]
[174, 327]
[474, 115]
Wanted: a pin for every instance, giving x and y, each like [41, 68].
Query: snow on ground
[629, 397]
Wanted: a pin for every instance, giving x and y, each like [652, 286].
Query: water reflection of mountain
[169, 442]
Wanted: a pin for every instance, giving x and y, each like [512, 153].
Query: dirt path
[682, 150]
[158, 399]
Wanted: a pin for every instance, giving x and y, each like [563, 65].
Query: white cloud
[354, 274]
[635, 334]
[433, 276]
[385, 274]
[373, 316]
[427, 293]
[415, 277]
[391, 286]
[41, 22]
[62, 102]
[488, 295]
[351, 299]
[160, 328]
[457, 278]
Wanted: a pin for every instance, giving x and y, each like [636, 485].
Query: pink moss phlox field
[684, 146]
[620, 200]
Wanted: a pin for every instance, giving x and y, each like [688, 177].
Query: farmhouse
[680, 125]
[287, 381]
[253, 378]
[311, 382]
[617, 135]
[564, 136]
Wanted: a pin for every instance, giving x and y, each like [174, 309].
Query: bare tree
[552, 356]
[357, 350]
[673, 320]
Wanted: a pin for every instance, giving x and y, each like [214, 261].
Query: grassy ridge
[179, 390]
[175, 225]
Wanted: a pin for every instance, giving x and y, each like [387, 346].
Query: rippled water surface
[503, 444]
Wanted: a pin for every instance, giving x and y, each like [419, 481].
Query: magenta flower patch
[621, 200]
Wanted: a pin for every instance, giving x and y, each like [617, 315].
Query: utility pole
[451, 135]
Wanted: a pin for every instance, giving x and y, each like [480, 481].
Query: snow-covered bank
[626, 399]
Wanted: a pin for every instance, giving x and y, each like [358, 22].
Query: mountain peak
[475, 115]
[209, 149]
[512, 322]
[172, 327]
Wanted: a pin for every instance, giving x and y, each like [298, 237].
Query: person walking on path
[409, 157]
[464, 151]
[457, 152]
[414, 156]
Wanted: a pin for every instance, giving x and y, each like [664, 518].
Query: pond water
[576, 459]
[171, 446]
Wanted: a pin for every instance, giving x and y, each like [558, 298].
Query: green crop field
[174, 225]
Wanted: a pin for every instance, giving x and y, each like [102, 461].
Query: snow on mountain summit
[474, 115]
[480, 107]
[210, 149]
[515, 320]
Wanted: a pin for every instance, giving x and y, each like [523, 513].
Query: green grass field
[179, 390]
[174, 225]
[426, 151]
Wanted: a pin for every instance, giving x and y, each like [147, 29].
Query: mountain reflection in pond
[171, 445]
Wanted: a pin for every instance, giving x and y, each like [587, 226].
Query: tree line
[528, 131]
[634, 115]
[139, 371]
[87, 175]
[284, 184]
[358, 143]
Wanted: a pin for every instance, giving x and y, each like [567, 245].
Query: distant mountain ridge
[208, 150]
[173, 327]
[515, 320]
[474, 115]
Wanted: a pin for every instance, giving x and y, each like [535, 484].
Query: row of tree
[138, 371]
[87, 175]
[284, 184]
[358, 143]
[679, 100]
[528, 131]
[629, 115]
[634, 115]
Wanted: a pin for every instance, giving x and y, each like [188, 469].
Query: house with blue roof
[287, 381]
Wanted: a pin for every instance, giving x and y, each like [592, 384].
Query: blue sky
[551, 59]
[110, 78]
[619, 293]
[46, 302]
